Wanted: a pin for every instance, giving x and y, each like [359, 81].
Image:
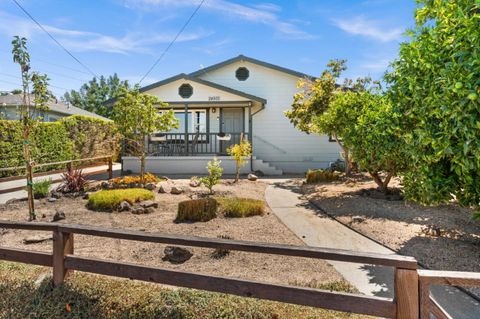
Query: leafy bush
[214, 174]
[126, 180]
[197, 210]
[108, 200]
[241, 207]
[321, 175]
[74, 181]
[41, 188]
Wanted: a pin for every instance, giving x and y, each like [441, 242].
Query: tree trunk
[28, 173]
[346, 155]
[142, 162]
[237, 175]
[382, 185]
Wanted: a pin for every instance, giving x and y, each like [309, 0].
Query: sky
[127, 36]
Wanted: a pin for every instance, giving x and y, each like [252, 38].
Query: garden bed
[266, 228]
[443, 237]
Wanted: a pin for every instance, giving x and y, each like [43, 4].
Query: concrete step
[265, 167]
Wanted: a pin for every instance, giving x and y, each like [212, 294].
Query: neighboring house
[11, 107]
[218, 104]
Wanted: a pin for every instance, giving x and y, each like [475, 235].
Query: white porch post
[250, 133]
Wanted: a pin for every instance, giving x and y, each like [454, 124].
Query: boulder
[148, 203]
[176, 190]
[37, 239]
[194, 183]
[86, 195]
[148, 210]
[252, 177]
[52, 199]
[161, 190]
[59, 215]
[124, 206]
[104, 185]
[176, 255]
[358, 219]
[55, 194]
[150, 186]
[138, 210]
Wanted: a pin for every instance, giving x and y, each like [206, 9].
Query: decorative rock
[148, 203]
[148, 210]
[56, 194]
[358, 219]
[194, 183]
[176, 190]
[161, 190]
[176, 255]
[59, 215]
[104, 185]
[124, 206]
[252, 177]
[52, 199]
[37, 239]
[44, 216]
[138, 210]
[150, 186]
[86, 195]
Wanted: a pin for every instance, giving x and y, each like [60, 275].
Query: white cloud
[264, 13]
[78, 40]
[369, 28]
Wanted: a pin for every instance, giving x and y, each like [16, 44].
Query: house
[11, 107]
[216, 106]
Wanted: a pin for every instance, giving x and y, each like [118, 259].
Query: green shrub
[241, 207]
[109, 200]
[197, 210]
[321, 175]
[41, 188]
[214, 174]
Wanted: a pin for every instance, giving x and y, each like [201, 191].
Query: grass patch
[241, 207]
[110, 199]
[41, 188]
[340, 285]
[93, 296]
[321, 175]
[197, 210]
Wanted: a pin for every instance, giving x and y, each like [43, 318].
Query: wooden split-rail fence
[411, 293]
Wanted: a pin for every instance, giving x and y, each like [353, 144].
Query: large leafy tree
[435, 85]
[137, 115]
[30, 111]
[93, 95]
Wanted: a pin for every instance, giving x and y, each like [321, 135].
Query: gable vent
[185, 90]
[242, 73]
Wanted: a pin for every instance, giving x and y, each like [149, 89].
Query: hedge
[72, 137]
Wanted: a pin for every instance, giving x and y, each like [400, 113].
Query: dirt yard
[443, 237]
[267, 228]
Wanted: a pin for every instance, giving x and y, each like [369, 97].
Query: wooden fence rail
[411, 299]
[69, 167]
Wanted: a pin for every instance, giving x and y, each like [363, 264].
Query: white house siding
[275, 138]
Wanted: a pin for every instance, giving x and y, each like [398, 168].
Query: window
[185, 90]
[242, 73]
[197, 121]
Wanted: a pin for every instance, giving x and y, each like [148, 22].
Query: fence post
[62, 246]
[424, 290]
[110, 168]
[70, 166]
[406, 293]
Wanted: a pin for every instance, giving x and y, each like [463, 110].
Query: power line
[51, 37]
[17, 77]
[173, 41]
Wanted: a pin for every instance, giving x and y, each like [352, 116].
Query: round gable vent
[185, 90]
[242, 73]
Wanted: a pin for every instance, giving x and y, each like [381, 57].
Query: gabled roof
[204, 82]
[254, 61]
[53, 105]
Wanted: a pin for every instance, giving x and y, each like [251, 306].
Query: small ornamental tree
[31, 111]
[241, 152]
[214, 174]
[435, 86]
[137, 116]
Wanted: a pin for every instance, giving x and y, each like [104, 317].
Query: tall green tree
[138, 115]
[30, 111]
[92, 95]
[435, 85]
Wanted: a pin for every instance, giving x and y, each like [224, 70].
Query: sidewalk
[21, 182]
[316, 229]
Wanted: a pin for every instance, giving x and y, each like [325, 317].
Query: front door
[232, 123]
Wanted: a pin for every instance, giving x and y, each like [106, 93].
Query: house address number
[214, 98]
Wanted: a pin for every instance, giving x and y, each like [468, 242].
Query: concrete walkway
[316, 229]
[21, 182]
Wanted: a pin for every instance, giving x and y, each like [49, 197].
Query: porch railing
[191, 144]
